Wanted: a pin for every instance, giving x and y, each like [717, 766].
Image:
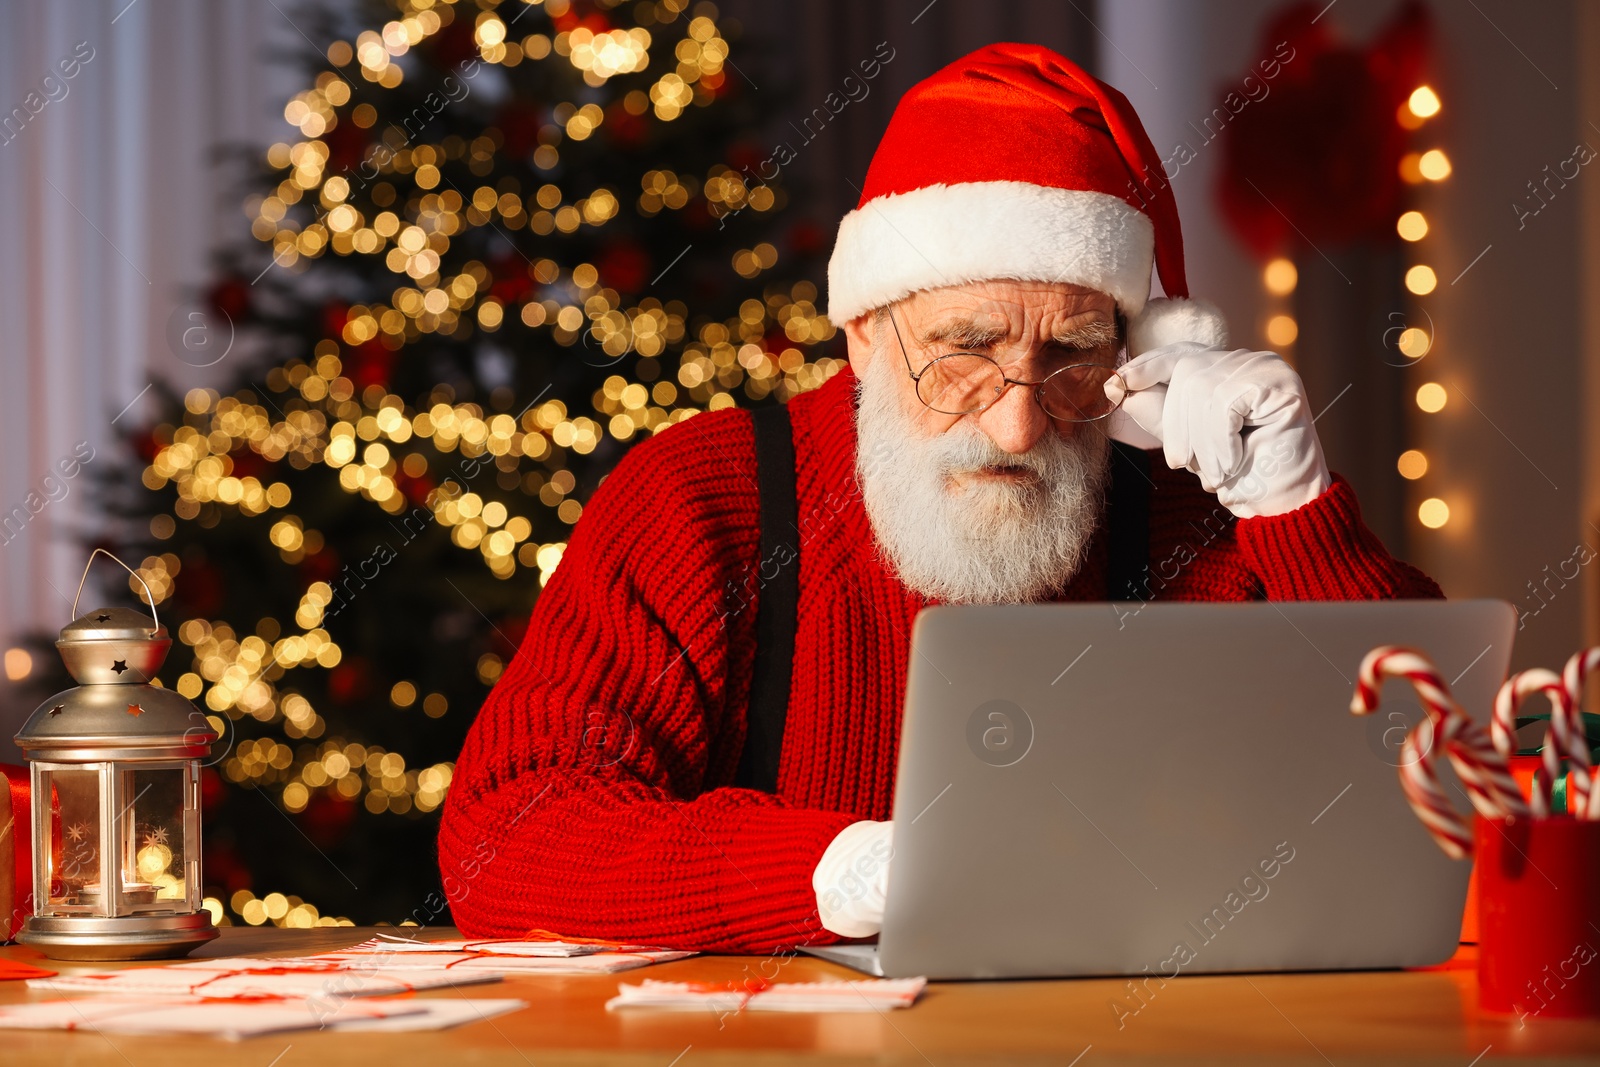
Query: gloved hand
[852, 879]
[1240, 420]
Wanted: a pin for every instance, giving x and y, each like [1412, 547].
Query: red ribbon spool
[20, 822]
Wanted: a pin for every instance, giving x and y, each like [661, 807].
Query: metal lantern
[115, 766]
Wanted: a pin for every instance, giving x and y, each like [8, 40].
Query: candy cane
[1503, 720]
[1577, 671]
[1507, 702]
[1486, 773]
[1559, 740]
[1420, 783]
[1582, 789]
[1482, 770]
[1391, 661]
[1419, 776]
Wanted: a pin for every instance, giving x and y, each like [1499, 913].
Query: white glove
[1239, 419]
[852, 879]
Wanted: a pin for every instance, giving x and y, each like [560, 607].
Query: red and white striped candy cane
[1486, 773]
[1577, 671]
[1393, 661]
[1508, 702]
[1483, 771]
[1419, 780]
[1583, 797]
[1419, 775]
[1503, 719]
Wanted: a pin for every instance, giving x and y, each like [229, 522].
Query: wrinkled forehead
[999, 313]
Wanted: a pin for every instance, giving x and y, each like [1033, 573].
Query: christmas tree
[510, 239]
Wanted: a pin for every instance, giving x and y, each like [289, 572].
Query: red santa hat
[1013, 162]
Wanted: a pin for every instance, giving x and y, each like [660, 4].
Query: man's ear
[858, 335]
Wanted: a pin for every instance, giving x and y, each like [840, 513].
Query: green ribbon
[1591, 733]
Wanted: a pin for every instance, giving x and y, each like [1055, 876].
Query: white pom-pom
[1166, 321]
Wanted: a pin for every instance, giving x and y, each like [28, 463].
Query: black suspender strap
[1128, 524]
[777, 601]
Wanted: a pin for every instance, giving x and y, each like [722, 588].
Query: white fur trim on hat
[1168, 321]
[942, 235]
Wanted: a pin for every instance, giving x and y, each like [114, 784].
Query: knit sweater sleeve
[1324, 551]
[591, 797]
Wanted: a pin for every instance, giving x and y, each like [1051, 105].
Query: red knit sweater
[592, 797]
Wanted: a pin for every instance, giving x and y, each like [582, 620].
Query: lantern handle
[149, 595]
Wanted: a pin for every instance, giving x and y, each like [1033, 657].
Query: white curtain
[110, 113]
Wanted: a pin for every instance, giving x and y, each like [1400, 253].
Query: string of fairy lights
[1414, 342]
[1280, 279]
[374, 441]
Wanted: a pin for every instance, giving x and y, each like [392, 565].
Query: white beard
[990, 541]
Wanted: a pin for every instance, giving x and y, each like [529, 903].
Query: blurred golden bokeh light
[1280, 276]
[1414, 342]
[1412, 226]
[1421, 280]
[1431, 397]
[1412, 464]
[1282, 330]
[1423, 102]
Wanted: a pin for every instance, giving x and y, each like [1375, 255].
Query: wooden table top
[1419, 1017]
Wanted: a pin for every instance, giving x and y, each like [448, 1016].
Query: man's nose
[1016, 422]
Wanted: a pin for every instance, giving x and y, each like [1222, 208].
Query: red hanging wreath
[1313, 153]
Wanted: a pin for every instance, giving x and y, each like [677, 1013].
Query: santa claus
[696, 744]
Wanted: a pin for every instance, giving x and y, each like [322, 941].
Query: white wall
[1510, 334]
[1512, 457]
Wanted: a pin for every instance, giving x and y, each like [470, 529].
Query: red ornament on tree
[745, 156]
[327, 818]
[347, 147]
[224, 868]
[417, 490]
[627, 129]
[249, 464]
[200, 592]
[624, 266]
[231, 297]
[212, 792]
[149, 445]
[453, 45]
[320, 566]
[350, 681]
[519, 123]
[369, 363]
[807, 238]
[334, 314]
[510, 282]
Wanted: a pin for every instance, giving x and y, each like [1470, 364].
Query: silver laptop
[1106, 789]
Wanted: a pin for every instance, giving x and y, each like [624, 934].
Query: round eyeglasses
[965, 383]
